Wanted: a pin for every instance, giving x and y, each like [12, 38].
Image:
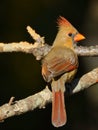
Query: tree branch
[39, 99]
[40, 48]
[87, 51]
[87, 80]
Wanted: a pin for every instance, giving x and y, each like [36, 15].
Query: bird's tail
[59, 116]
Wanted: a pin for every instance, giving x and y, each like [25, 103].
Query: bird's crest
[61, 21]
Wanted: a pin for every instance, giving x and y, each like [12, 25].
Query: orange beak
[78, 37]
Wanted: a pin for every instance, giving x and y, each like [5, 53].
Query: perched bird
[61, 59]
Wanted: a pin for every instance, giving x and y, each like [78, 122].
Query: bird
[61, 59]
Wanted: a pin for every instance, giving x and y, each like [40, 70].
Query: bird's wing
[61, 65]
[57, 66]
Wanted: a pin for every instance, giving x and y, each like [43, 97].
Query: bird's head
[68, 29]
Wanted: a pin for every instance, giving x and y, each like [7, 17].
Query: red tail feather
[59, 117]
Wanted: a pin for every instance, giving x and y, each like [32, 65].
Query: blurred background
[20, 73]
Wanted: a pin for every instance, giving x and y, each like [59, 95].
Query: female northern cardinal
[61, 59]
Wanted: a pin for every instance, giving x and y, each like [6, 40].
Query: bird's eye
[70, 34]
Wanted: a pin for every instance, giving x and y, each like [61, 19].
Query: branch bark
[39, 99]
[87, 51]
[40, 48]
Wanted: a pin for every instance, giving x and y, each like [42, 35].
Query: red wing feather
[56, 66]
[60, 65]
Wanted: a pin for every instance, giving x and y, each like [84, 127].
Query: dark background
[20, 73]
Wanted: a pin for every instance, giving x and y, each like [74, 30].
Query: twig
[11, 100]
[35, 36]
